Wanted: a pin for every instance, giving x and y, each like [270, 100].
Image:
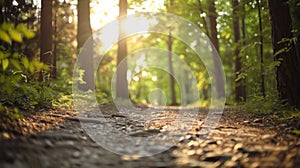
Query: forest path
[237, 141]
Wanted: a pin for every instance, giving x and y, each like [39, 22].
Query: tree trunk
[261, 51]
[244, 81]
[170, 62]
[121, 79]
[171, 70]
[46, 35]
[239, 85]
[287, 74]
[55, 41]
[212, 14]
[1, 12]
[83, 33]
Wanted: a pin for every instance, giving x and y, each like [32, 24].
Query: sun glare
[106, 11]
[134, 24]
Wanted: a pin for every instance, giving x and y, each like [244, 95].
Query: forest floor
[55, 138]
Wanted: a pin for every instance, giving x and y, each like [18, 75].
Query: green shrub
[19, 88]
[262, 106]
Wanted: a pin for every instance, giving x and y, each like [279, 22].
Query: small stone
[219, 142]
[76, 154]
[258, 120]
[210, 142]
[188, 137]
[256, 164]
[227, 150]
[193, 144]
[269, 137]
[238, 146]
[199, 151]
[84, 138]
[237, 157]
[181, 139]
[230, 164]
[48, 143]
[191, 152]
[5, 135]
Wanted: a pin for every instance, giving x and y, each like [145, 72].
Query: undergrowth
[259, 105]
[272, 107]
[24, 83]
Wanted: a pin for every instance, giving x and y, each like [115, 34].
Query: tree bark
[212, 14]
[171, 70]
[287, 74]
[261, 51]
[244, 81]
[121, 79]
[46, 35]
[1, 13]
[170, 62]
[84, 31]
[239, 84]
[55, 42]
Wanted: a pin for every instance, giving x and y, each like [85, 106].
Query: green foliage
[262, 106]
[62, 90]
[8, 113]
[288, 43]
[4, 36]
[19, 87]
[296, 132]
[10, 33]
[103, 98]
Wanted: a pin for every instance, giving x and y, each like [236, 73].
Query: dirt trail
[236, 142]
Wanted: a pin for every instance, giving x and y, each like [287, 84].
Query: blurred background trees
[258, 42]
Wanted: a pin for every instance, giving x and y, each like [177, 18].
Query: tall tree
[212, 15]
[239, 84]
[170, 62]
[46, 33]
[243, 11]
[261, 50]
[84, 31]
[285, 50]
[171, 69]
[121, 79]
[1, 11]
[55, 41]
